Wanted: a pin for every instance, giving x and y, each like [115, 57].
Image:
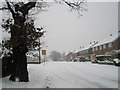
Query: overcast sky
[66, 32]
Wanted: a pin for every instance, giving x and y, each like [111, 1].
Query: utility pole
[39, 52]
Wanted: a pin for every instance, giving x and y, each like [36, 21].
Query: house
[104, 47]
[70, 56]
[107, 45]
[86, 51]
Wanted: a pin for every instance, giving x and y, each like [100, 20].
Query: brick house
[69, 56]
[107, 45]
[85, 52]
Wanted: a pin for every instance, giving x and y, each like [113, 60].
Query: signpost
[39, 52]
[44, 53]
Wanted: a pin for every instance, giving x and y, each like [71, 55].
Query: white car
[116, 61]
[103, 59]
[116, 57]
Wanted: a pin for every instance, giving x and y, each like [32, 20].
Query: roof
[107, 40]
[85, 48]
[76, 51]
[89, 46]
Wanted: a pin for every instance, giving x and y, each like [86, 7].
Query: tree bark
[19, 54]
[20, 64]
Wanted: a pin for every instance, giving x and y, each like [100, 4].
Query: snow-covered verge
[68, 75]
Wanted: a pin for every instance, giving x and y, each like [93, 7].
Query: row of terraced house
[104, 47]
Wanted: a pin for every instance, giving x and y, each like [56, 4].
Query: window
[100, 47]
[110, 45]
[96, 48]
[93, 49]
[104, 46]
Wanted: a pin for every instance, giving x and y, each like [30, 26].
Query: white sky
[66, 32]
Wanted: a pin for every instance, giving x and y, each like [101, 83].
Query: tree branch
[3, 8]
[75, 5]
[26, 7]
[9, 7]
[30, 5]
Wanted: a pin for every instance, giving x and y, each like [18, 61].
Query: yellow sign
[43, 52]
[91, 57]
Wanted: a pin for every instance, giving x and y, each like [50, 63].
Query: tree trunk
[20, 64]
[18, 41]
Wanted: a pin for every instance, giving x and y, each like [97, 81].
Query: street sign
[43, 52]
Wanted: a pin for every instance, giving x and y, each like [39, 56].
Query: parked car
[116, 61]
[94, 61]
[79, 59]
[104, 59]
[116, 58]
[76, 59]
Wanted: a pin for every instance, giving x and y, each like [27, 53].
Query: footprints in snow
[48, 82]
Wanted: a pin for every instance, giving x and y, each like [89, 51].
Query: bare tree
[55, 56]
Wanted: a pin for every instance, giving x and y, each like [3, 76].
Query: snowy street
[68, 75]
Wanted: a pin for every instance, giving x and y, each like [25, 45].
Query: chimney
[119, 31]
[110, 34]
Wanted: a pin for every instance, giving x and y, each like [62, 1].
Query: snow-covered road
[68, 75]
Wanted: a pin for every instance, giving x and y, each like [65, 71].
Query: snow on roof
[76, 51]
[85, 48]
[107, 40]
[69, 53]
[89, 46]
